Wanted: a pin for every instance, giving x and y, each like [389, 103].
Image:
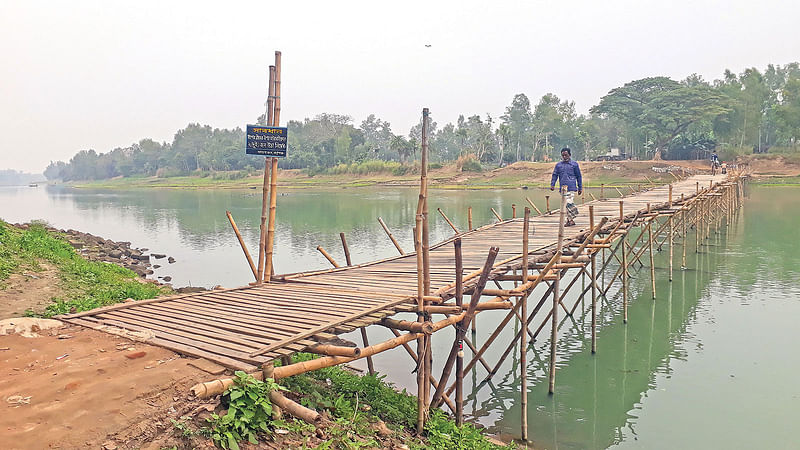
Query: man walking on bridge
[568, 174]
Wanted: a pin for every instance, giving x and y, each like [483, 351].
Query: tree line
[654, 117]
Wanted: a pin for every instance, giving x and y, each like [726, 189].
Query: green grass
[83, 284]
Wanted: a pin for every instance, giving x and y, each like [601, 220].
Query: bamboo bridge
[248, 327]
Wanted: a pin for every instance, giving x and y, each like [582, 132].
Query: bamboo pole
[671, 242]
[389, 233]
[262, 242]
[533, 206]
[469, 218]
[346, 249]
[602, 191]
[273, 179]
[420, 317]
[684, 212]
[594, 285]
[513, 211]
[370, 365]
[556, 299]
[334, 350]
[547, 203]
[242, 244]
[467, 317]
[496, 215]
[523, 344]
[459, 341]
[426, 258]
[447, 219]
[328, 256]
[425, 327]
[295, 409]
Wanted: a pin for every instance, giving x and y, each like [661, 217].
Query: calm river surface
[710, 363]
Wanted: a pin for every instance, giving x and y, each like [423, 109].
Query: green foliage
[85, 284]
[249, 412]
[444, 434]
[471, 165]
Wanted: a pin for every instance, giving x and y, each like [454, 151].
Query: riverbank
[129, 394]
[523, 174]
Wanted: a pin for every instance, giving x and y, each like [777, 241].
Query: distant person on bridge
[568, 174]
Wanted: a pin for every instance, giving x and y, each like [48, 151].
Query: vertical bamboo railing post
[426, 257]
[273, 179]
[242, 244]
[624, 265]
[523, 343]
[556, 299]
[469, 218]
[671, 232]
[346, 249]
[421, 382]
[650, 247]
[697, 223]
[262, 242]
[547, 203]
[684, 212]
[593, 280]
[459, 336]
[513, 211]
[602, 191]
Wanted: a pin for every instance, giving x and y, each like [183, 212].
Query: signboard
[267, 141]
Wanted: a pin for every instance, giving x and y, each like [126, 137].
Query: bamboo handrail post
[513, 211]
[523, 344]
[602, 191]
[469, 218]
[447, 219]
[593, 280]
[460, 355]
[652, 264]
[624, 267]
[346, 249]
[547, 203]
[468, 314]
[420, 317]
[556, 299]
[242, 244]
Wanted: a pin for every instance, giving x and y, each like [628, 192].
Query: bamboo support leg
[346, 249]
[556, 299]
[523, 344]
[242, 244]
[652, 264]
[391, 237]
[370, 365]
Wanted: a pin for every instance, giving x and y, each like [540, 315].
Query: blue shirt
[568, 174]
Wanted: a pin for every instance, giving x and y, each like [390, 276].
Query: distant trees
[652, 117]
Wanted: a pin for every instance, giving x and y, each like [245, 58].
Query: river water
[710, 363]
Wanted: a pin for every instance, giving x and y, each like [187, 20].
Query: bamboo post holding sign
[460, 356]
[242, 244]
[594, 284]
[426, 257]
[262, 242]
[389, 233]
[523, 343]
[273, 179]
[556, 299]
[346, 250]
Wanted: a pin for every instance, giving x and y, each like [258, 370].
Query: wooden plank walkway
[228, 326]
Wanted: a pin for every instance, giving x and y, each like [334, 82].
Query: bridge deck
[299, 310]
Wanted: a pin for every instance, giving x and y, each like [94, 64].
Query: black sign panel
[267, 141]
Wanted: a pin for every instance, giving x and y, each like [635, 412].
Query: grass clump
[84, 284]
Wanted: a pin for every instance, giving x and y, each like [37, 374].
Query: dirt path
[28, 290]
[79, 388]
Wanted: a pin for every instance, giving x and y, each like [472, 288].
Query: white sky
[102, 74]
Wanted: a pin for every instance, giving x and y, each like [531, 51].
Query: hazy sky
[103, 74]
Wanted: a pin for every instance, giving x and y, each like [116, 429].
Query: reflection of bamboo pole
[556, 299]
[346, 249]
[273, 179]
[241, 242]
[523, 343]
[389, 233]
[447, 219]
[262, 242]
[533, 206]
[328, 256]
